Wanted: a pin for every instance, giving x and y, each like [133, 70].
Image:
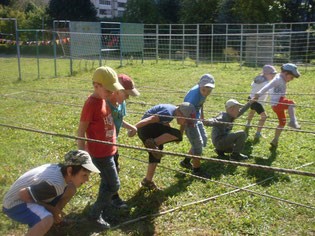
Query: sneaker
[99, 221]
[274, 143]
[220, 153]
[186, 164]
[236, 156]
[148, 184]
[150, 143]
[200, 173]
[294, 125]
[119, 203]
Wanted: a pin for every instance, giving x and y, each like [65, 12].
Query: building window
[121, 4]
[104, 12]
[104, 2]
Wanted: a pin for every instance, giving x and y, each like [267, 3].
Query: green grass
[54, 104]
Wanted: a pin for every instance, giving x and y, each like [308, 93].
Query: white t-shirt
[45, 183]
[277, 89]
[258, 83]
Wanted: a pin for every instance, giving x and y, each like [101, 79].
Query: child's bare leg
[250, 117]
[263, 118]
[165, 138]
[42, 227]
[151, 171]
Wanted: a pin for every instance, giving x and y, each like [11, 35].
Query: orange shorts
[280, 108]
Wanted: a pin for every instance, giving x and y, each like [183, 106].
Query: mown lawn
[55, 104]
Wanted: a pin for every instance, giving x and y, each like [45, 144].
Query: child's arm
[210, 122]
[132, 130]
[266, 88]
[146, 121]
[81, 133]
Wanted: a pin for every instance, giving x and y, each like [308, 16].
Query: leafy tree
[141, 11]
[77, 10]
[169, 11]
[198, 11]
[5, 2]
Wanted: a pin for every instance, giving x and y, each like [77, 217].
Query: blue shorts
[27, 213]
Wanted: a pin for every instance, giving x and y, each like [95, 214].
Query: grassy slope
[238, 213]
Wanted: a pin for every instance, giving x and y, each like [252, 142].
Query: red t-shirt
[101, 127]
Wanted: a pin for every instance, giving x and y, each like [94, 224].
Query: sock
[291, 112]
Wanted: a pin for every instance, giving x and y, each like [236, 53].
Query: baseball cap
[128, 85]
[187, 109]
[80, 158]
[231, 103]
[207, 80]
[292, 68]
[108, 78]
[269, 69]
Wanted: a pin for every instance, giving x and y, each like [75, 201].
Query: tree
[77, 10]
[141, 11]
[198, 11]
[169, 11]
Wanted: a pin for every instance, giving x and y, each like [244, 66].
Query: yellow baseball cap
[108, 78]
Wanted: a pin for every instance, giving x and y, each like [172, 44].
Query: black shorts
[257, 107]
[155, 130]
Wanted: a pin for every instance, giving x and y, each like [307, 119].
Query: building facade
[110, 8]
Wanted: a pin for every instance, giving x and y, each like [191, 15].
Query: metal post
[197, 46]
[183, 45]
[241, 46]
[226, 41]
[157, 43]
[37, 54]
[55, 47]
[170, 44]
[17, 47]
[211, 51]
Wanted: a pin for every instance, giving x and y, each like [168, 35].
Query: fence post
[157, 43]
[37, 54]
[55, 48]
[197, 46]
[211, 56]
[170, 44]
[241, 46]
[17, 47]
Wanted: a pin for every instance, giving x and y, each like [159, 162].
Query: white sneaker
[294, 125]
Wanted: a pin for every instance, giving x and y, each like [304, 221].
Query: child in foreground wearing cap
[196, 134]
[223, 139]
[278, 101]
[39, 195]
[154, 130]
[96, 122]
[117, 105]
[268, 73]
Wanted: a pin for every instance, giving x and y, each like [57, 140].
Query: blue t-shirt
[194, 97]
[161, 109]
[118, 114]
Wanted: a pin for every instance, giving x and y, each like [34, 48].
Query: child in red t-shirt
[96, 122]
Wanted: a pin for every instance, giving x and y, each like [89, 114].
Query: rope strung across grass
[237, 189]
[138, 112]
[255, 166]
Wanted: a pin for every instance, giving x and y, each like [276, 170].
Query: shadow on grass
[262, 175]
[143, 203]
